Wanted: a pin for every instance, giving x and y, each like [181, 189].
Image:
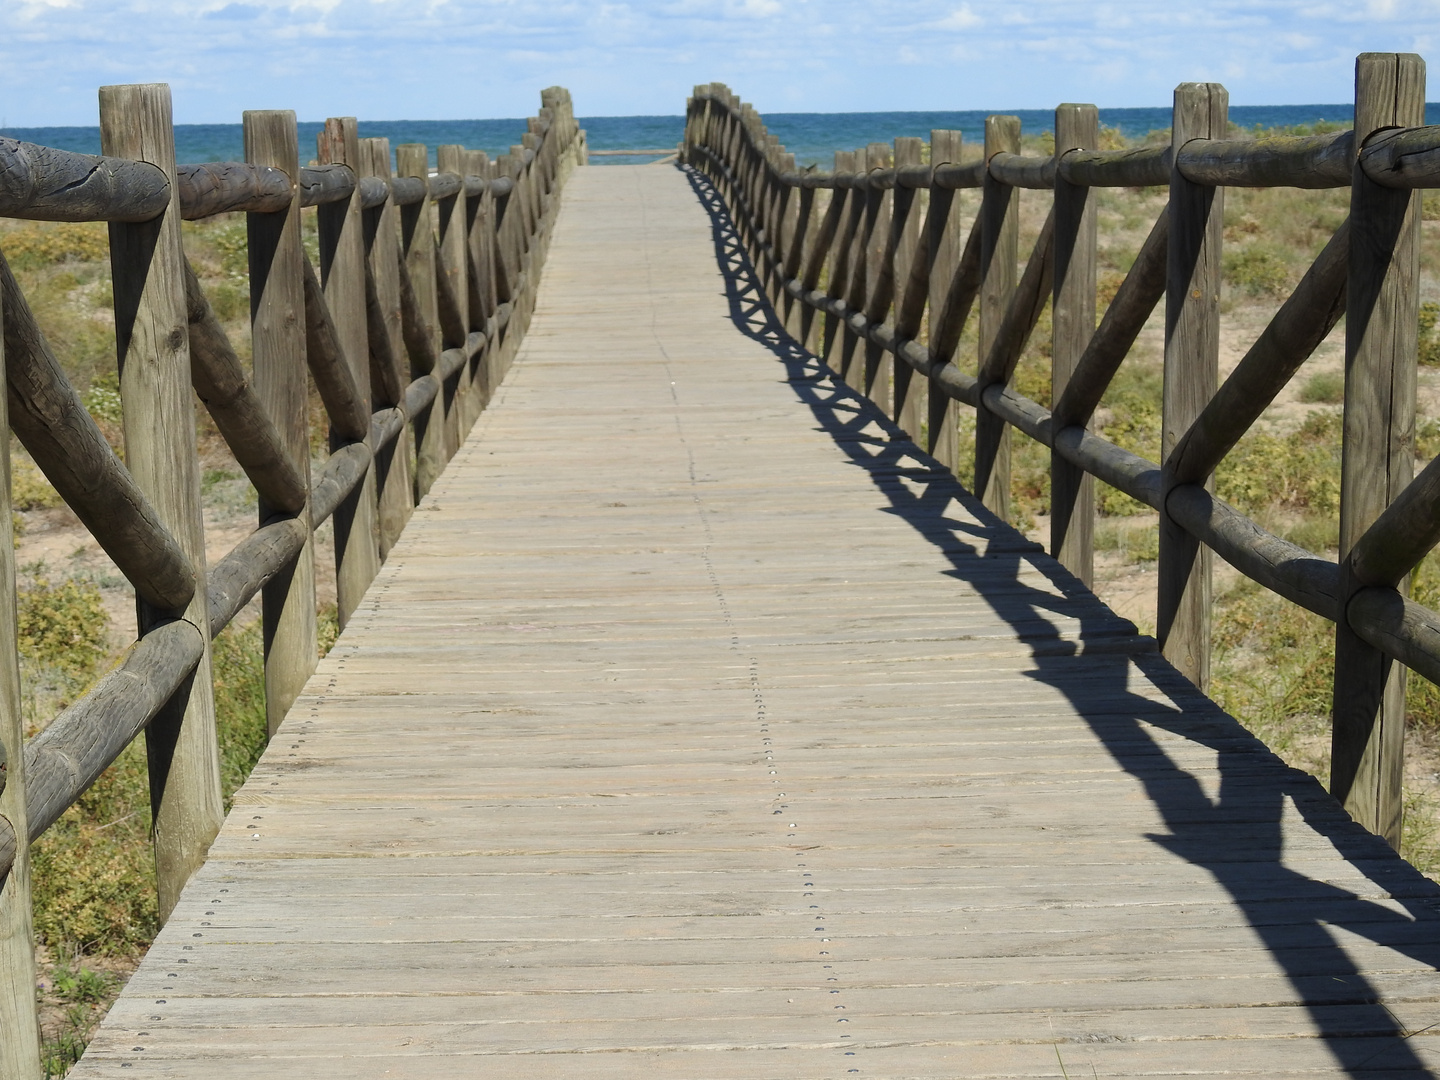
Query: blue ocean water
[812, 137]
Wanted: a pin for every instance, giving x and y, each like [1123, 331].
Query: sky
[463, 59]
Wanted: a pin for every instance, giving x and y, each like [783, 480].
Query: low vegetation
[94, 897]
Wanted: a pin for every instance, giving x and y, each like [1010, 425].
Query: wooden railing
[885, 270]
[425, 287]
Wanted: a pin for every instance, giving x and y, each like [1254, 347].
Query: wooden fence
[886, 269]
[425, 287]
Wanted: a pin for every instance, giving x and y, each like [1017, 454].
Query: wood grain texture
[19, 1015]
[671, 765]
[151, 333]
[434, 433]
[1192, 370]
[342, 276]
[999, 275]
[278, 332]
[1072, 490]
[1367, 749]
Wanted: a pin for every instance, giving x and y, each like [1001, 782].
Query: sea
[812, 137]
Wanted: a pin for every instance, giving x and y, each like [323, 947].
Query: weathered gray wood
[434, 437]
[1305, 161]
[452, 293]
[42, 183]
[1027, 302]
[389, 368]
[236, 407]
[220, 187]
[342, 475]
[253, 564]
[469, 851]
[480, 281]
[49, 418]
[1403, 158]
[876, 372]
[278, 334]
[342, 270]
[326, 184]
[1072, 490]
[943, 225]
[999, 251]
[909, 207]
[1121, 324]
[1022, 172]
[1302, 323]
[1192, 366]
[1402, 535]
[324, 353]
[148, 270]
[19, 1013]
[1367, 750]
[83, 740]
[1144, 166]
[1397, 626]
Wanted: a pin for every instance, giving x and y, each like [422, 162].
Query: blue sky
[434, 59]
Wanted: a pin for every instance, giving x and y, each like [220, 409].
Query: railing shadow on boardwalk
[1237, 838]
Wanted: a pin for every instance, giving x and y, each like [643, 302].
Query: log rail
[886, 269]
[406, 334]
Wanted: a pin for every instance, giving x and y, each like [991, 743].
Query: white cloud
[962, 18]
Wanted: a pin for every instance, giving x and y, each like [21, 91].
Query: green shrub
[29, 490]
[48, 243]
[1324, 387]
[102, 399]
[62, 626]
[1255, 270]
[1428, 351]
[1298, 471]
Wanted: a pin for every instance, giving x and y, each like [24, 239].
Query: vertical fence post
[999, 253]
[432, 437]
[1192, 369]
[479, 212]
[19, 1017]
[342, 270]
[907, 208]
[1368, 737]
[875, 375]
[394, 485]
[796, 317]
[277, 319]
[148, 269]
[450, 218]
[831, 340]
[1072, 489]
[943, 222]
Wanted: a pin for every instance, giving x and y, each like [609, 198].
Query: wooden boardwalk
[698, 728]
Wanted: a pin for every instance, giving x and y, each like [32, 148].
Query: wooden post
[1072, 489]
[19, 1017]
[480, 213]
[833, 341]
[943, 221]
[277, 319]
[875, 378]
[450, 219]
[908, 208]
[148, 270]
[434, 441]
[342, 269]
[394, 484]
[1368, 737]
[999, 252]
[1192, 370]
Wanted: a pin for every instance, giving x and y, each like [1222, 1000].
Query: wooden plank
[277, 306]
[1072, 490]
[1367, 750]
[1192, 371]
[562, 796]
[148, 269]
[999, 251]
[909, 211]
